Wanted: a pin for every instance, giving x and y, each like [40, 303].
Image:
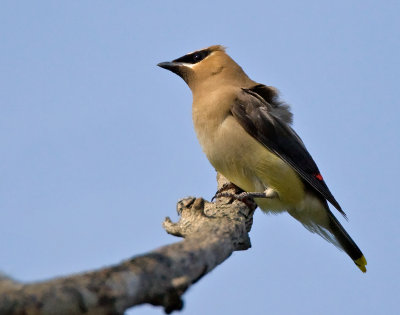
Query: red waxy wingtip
[319, 177]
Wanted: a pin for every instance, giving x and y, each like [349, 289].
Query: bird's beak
[171, 66]
[168, 65]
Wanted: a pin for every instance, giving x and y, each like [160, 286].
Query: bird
[245, 130]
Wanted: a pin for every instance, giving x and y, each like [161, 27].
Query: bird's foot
[224, 187]
[268, 193]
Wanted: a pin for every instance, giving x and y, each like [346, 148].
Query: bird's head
[209, 66]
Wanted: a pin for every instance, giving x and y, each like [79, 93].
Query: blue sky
[97, 143]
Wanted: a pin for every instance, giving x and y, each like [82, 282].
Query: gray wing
[279, 108]
[257, 117]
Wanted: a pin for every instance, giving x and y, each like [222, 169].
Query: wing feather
[257, 117]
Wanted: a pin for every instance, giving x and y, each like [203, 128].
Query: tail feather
[361, 263]
[315, 215]
[346, 242]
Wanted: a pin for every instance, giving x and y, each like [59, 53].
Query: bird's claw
[225, 186]
[268, 193]
[242, 196]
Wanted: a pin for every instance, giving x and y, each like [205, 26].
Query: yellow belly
[252, 167]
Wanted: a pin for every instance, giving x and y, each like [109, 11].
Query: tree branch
[211, 232]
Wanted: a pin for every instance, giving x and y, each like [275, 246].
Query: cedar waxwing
[245, 131]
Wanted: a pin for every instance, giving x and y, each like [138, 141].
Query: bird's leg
[268, 193]
[224, 187]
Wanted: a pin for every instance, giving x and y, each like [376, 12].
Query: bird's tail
[317, 218]
[346, 242]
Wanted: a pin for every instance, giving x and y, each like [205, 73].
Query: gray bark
[212, 231]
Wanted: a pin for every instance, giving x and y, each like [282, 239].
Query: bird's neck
[231, 75]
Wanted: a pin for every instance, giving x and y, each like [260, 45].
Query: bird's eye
[198, 57]
[193, 57]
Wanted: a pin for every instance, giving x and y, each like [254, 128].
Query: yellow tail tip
[361, 263]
